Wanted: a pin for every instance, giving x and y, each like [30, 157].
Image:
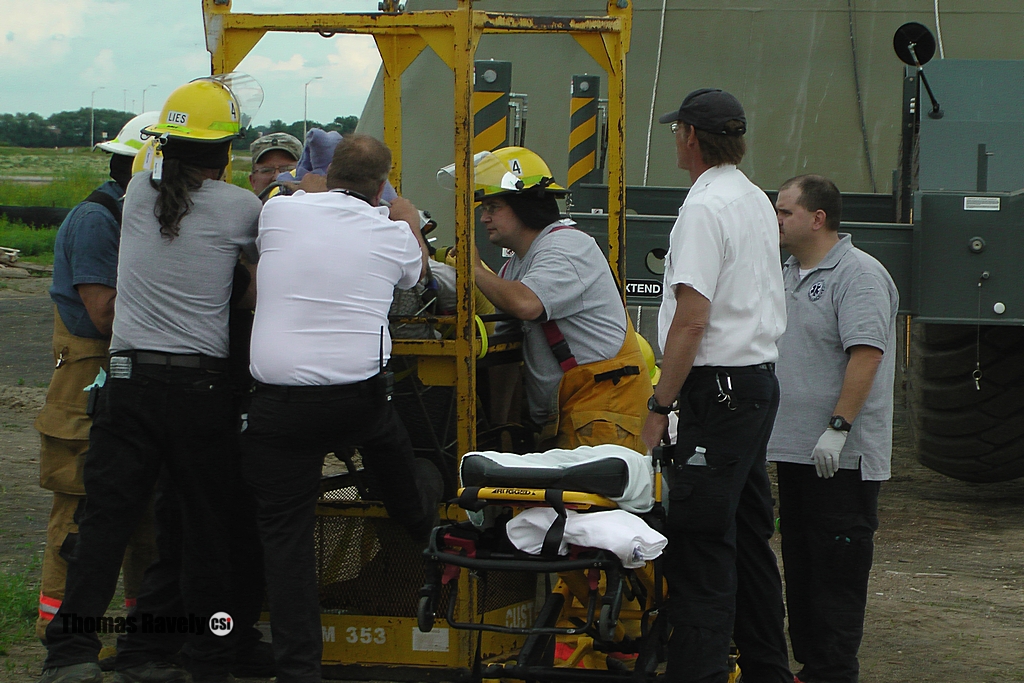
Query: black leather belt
[176, 360]
[767, 367]
[315, 391]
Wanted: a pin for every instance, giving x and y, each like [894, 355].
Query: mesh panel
[505, 588]
[369, 565]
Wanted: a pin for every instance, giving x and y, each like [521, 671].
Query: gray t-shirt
[847, 300]
[570, 275]
[173, 295]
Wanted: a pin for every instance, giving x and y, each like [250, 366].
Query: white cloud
[55, 57]
[40, 38]
[260, 64]
[102, 69]
[354, 63]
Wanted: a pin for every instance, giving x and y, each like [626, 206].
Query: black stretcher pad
[606, 477]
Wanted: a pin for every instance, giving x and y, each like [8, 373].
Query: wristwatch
[839, 423]
[655, 407]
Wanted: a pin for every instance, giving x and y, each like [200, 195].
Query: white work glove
[826, 452]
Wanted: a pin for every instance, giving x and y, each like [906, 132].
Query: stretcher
[600, 620]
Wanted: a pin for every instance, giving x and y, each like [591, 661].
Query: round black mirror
[914, 44]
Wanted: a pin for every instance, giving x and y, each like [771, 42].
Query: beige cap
[282, 141]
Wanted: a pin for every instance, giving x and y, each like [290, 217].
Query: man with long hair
[167, 401]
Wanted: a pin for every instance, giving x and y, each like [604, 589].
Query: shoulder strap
[559, 347]
[107, 202]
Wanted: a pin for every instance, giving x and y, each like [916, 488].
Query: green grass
[52, 163]
[36, 244]
[19, 596]
[65, 191]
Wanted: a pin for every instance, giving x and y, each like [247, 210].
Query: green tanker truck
[930, 167]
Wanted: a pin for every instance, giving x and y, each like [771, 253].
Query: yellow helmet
[509, 170]
[210, 109]
[146, 158]
[648, 353]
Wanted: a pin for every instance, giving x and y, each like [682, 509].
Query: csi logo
[221, 624]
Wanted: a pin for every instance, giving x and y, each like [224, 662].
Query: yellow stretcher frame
[453, 35]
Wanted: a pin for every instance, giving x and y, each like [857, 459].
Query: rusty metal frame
[453, 35]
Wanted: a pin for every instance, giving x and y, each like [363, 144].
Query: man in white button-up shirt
[329, 263]
[723, 309]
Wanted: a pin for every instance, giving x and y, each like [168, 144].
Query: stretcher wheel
[605, 624]
[425, 614]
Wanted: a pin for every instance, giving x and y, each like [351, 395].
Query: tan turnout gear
[608, 411]
[63, 427]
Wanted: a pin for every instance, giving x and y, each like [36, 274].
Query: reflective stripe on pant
[61, 535]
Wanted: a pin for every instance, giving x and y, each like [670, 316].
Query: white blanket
[638, 495]
[617, 531]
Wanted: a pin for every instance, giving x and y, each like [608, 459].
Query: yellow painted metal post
[617, 45]
[466, 36]
[617, 161]
[397, 52]
[393, 120]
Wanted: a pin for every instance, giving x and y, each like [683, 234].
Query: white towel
[617, 531]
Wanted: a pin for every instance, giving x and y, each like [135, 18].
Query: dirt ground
[946, 599]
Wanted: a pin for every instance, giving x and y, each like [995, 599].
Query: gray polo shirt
[846, 300]
[570, 275]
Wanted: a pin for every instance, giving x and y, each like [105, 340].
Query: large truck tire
[962, 431]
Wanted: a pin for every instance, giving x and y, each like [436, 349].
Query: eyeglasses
[274, 170]
[674, 127]
[491, 209]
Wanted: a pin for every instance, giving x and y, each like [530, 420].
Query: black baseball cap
[709, 109]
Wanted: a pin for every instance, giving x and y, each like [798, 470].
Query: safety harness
[560, 347]
[107, 202]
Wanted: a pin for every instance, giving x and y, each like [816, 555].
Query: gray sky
[55, 53]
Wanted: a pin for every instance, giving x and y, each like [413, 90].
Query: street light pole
[124, 108]
[151, 85]
[92, 116]
[305, 91]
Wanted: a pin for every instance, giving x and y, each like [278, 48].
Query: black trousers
[828, 528]
[724, 581]
[176, 418]
[288, 432]
[160, 596]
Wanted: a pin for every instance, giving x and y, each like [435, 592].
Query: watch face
[839, 422]
[655, 407]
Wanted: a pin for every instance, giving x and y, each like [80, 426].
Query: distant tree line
[63, 129]
[71, 128]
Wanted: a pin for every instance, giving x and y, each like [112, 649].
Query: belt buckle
[120, 367]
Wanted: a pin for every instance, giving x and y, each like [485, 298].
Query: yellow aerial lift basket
[369, 571]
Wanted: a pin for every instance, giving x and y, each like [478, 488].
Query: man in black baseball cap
[711, 110]
[723, 307]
